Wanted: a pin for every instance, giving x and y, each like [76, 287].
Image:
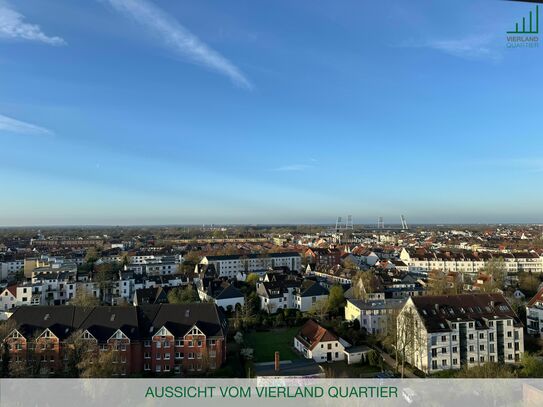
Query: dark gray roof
[302, 367]
[135, 322]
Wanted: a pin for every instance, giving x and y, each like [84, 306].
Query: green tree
[97, 363]
[4, 367]
[179, 295]
[496, 269]
[487, 371]
[374, 358]
[320, 309]
[83, 298]
[336, 299]
[252, 279]
[532, 367]
[364, 283]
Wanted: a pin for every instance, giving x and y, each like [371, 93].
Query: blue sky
[154, 112]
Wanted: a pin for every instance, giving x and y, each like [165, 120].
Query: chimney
[277, 364]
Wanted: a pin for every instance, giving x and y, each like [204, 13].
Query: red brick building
[323, 257]
[165, 338]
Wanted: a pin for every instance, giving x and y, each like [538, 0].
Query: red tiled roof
[537, 298]
[312, 334]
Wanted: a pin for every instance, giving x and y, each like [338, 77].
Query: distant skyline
[150, 112]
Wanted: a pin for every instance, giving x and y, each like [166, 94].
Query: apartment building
[275, 295]
[534, 315]
[421, 260]
[448, 332]
[153, 338]
[323, 257]
[230, 266]
[9, 268]
[374, 316]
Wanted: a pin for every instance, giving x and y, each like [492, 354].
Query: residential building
[230, 266]
[448, 332]
[374, 316]
[534, 315]
[151, 338]
[320, 344]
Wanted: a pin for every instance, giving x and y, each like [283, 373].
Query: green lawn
[265, 344]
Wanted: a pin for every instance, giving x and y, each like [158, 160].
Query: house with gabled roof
[308, 294]
[320, 344]
[153, 338]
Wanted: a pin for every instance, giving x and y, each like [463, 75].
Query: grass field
[265, 344]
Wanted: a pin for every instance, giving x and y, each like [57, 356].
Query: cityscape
[335, 203]
[327, 301]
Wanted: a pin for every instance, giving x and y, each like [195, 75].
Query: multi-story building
[448, 332]
[308, 294]
[323, 257]
[230, 266]
[275, 295]
[534, 315]
[153, 338]
[374, 316]
[422, 260]
[10, 267]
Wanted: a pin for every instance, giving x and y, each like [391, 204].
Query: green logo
[530, 29]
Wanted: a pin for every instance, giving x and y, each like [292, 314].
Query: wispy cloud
[179, 39]
[293, 167]
[472, 47]
[12, 26]
[10, 125]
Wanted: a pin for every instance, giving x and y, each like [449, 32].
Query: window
[455, 349]
[178, 342]
[166, 356]
[191, 355]
[166, 368]
[166, 344]
[158, 344]
[455, 361]
[443, 350]
[481, 347]
[158, 356]
[443, 338]
[158, 368]
[454, 337]
[147, 355]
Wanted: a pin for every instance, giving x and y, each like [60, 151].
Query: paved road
[389, 360]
